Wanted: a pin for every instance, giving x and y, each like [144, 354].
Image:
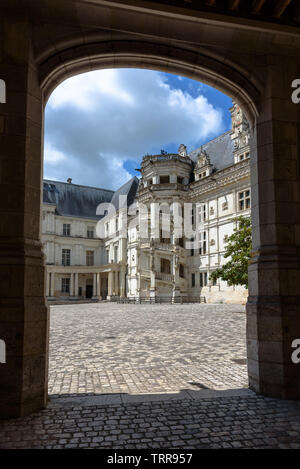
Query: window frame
[66, 257]
[244, 200]
[66, 229]
[65, 285]
[90, 257]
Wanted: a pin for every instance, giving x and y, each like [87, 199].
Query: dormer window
[182, 150]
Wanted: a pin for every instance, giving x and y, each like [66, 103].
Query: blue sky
[98, 125]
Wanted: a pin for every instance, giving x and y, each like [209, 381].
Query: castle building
[158, 236]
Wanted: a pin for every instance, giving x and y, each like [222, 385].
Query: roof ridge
[212, 140]
[78, 185]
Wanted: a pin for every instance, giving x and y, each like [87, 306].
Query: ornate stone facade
[213, 183]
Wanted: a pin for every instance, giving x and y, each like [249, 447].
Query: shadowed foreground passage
[126, 354]
[241, 421]
[136, 349]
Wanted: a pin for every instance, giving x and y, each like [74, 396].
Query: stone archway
[32, 66]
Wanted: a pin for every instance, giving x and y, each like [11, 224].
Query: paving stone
[147, 353]
[155, 349]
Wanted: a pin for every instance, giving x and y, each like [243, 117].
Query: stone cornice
[212, 183]
[220, 179]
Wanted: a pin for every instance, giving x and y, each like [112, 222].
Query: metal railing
[158, 300]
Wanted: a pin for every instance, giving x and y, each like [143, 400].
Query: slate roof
[82, 201]
[75, 200]
[129, 189]
[219, 150]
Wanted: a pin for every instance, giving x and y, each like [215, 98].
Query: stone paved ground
[111, 348]
[126, 354]
[228, 422]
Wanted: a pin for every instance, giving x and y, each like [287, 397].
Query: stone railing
[145, 273]
[166, 157]
[165, 277]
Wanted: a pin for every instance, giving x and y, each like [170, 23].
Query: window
[192, 251]
[244, 156]
[117, 224]
[90, 231]
[164, 179]
[193, 280]
[89, 257]
[116, 253]
[65, 285]
[203, 279]
[193, 216]
[106, 228]
[66, 229]
[202, 243]
[181, 270]
[66, 257]
[214, 282]
[107, 256]
[244, 200]
[180, 180]
[163, 240]
[165, 266]
[202, 213]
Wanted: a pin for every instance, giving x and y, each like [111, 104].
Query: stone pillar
[71, 285]
[76, 284]
[116, 290]
[110, 284]
[52, 284]
[152, 291]
[23, 312]
[176, 287]
[99, 286]
[273, 308]
[47, 274]
[122, 283]
[95, 293]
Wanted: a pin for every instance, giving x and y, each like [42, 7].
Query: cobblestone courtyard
[169, 377]
[112, 348]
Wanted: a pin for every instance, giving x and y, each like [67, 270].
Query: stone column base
[272, 326]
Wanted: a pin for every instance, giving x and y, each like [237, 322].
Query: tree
[238, 249]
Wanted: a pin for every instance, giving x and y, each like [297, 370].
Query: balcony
[146, 273]
[164, 277]
[171, 186]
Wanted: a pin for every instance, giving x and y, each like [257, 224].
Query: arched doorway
[273, 306]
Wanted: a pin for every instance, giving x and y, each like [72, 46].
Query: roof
[219, 150]
[75, 200]
[129, 190]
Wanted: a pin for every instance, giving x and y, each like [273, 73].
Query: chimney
[69, 180]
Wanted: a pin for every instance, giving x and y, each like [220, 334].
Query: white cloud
[53, 156]
[98, 120]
